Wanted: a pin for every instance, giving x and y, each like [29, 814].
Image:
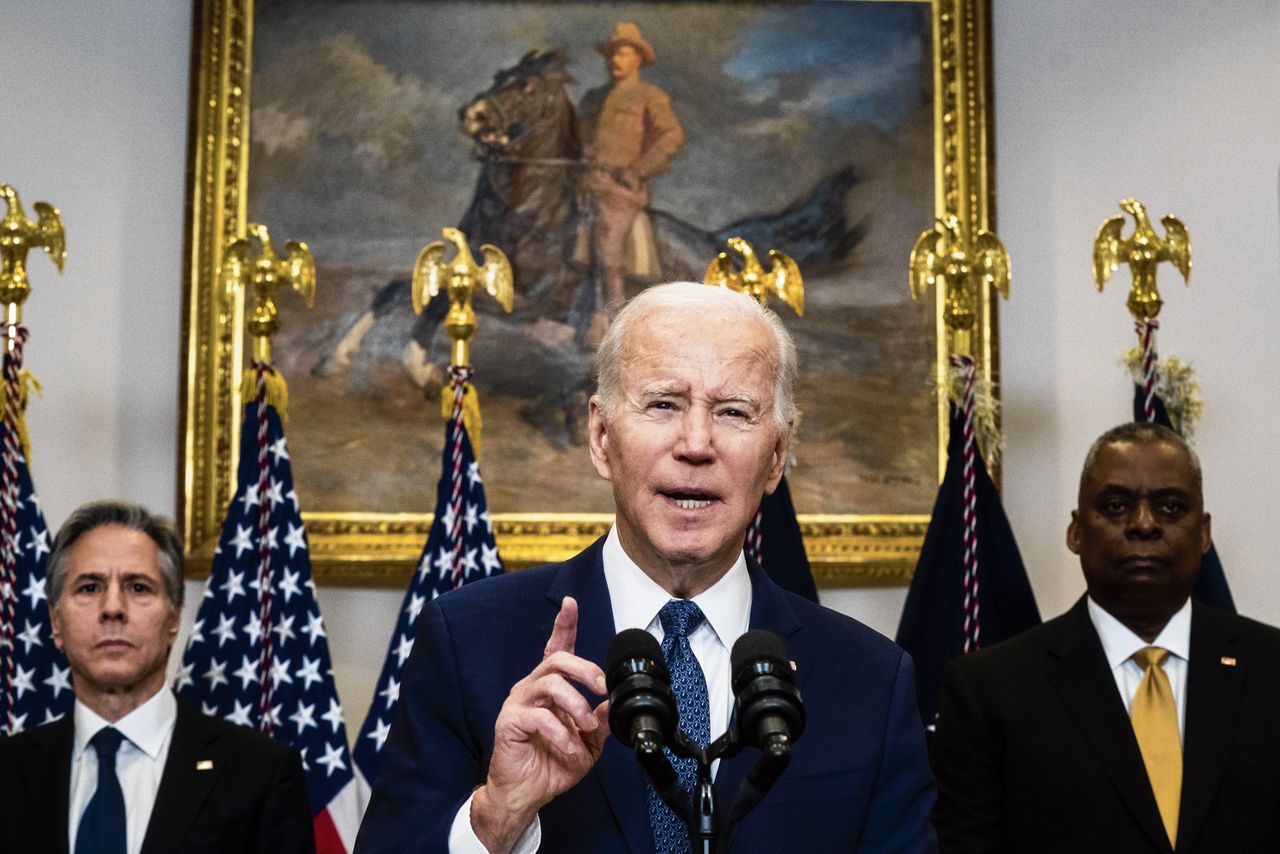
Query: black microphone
[642, 710]
[770, 715]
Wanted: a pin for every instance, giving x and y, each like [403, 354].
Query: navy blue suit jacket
[859, 777]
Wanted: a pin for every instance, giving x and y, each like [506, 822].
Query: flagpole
[258, 272]
[961, 265]
[21, 235]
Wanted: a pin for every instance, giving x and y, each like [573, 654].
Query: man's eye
[1171, 508]
[662, 404]
[1114, 507]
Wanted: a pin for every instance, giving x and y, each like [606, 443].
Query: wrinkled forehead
[696, 340]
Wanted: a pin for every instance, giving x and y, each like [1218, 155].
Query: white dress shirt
[147, 732]
[636, 599]
[1119, 644]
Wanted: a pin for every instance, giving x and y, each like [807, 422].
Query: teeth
[691, 503]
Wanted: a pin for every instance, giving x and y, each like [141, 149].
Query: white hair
[697, 296]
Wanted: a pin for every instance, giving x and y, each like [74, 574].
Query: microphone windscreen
[755, 646]
[626, 645]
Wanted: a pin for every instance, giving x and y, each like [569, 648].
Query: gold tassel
[471, 420]
[1177, 386]
[26, 380]
[986, 411]
[277, 391]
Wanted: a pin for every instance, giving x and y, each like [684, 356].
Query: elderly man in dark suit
[1139, 721]
[134, 769]
[499, 743]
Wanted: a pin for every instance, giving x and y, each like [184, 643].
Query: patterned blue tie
[102, 825]
[679, 618]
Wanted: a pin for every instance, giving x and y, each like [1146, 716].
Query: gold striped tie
[1155, 723]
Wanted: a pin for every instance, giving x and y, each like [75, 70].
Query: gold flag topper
[945, 257]
[1142, 251]
[19, 235]
[460, 277]
[782, 280]
[260, 274]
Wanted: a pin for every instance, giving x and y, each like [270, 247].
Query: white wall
[1165, 100]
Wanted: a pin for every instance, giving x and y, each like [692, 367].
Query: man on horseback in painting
[631, 135]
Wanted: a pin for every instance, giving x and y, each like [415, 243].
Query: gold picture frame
[380, 549]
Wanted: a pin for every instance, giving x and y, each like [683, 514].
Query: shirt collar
[1119, 643]
[637, 598]
[146, 727]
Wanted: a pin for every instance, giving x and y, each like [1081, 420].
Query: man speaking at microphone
[501, 742]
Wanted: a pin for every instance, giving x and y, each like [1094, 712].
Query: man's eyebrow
[664, 390]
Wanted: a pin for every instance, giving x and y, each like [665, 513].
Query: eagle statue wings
[782, 279]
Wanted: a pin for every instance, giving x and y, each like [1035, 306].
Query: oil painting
[604, 147]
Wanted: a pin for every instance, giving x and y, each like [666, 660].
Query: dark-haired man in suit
[1139, 721]
[133, 769]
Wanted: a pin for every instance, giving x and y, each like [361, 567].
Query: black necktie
[102, 825]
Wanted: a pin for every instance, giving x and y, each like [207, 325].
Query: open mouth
[690, 500]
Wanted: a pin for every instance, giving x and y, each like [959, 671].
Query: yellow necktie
[1155, 723]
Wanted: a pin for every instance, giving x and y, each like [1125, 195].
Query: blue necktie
[679, 617]
[102, 825]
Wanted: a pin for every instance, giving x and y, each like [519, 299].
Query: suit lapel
[769, 610]
[1077, 668]
[49, 773]
[1212, 706]
[184, 787]
[616, 771]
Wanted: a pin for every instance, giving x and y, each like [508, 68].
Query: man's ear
[55, 624]
[598, 437]
[778, 462]
[1073, 533]
[1206, 536]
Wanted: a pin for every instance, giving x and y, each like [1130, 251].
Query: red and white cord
[9, 496]
[460, 375]
[265, 574]
[972, 623]
[1146, 330]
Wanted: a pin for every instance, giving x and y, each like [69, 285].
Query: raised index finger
[565, 632]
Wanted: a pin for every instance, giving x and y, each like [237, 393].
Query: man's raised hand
[546, 738]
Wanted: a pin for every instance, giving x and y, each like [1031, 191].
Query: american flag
[222, 668]
[460, 548]
[36, 689]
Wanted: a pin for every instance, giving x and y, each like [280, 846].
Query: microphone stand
[706, 830]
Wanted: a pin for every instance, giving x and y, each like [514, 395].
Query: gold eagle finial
[943, 258]
[260, 274]
[460, 278]
[18, 236]
[1142, 251]
[782, 280]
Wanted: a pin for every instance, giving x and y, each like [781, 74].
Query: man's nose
[695, 442]
[1143, 521]
[112, 603]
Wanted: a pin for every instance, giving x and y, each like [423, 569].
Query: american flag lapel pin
[204, 765]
